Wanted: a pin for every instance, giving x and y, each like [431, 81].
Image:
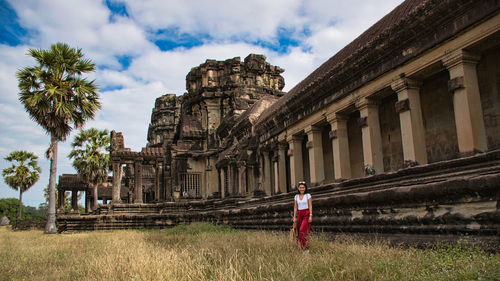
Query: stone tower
[164, 120]
[218, 93]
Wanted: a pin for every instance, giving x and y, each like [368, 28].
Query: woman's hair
[301, 183]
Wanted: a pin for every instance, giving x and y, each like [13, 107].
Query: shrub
[9, 206]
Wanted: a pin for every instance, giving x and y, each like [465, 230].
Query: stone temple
[397, 134]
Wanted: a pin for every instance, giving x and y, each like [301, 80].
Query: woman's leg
[304, 228]
[299, 224]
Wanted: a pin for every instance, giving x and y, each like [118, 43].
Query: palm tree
[58, 98]
[91, 158]
[23, 174]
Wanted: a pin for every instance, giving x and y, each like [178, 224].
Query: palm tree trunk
[94, 191]
[50, 227]
[19, 212]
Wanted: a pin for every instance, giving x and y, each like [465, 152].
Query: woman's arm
[294, 211]
[310, 201]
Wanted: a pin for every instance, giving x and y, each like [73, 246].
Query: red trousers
[303, 227]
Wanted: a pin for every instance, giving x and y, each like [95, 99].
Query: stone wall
[390, 130]
[439, 121]
[355, 146]
[489, 86]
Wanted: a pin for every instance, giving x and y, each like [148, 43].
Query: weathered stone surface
[4, 221]
[213, 76]
[164, 120]
[117, 142]
[30, 224]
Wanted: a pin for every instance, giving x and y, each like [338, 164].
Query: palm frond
[54, 93]
[90, 154]
[24, 171]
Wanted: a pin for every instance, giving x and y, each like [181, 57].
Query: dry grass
[204, 252]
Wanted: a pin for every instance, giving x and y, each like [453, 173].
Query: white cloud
[54, 20]
[220, 19]
[171, 67]
[297, 65]
[114, 78]
[129, 111]
[85, 24]
[11, 60]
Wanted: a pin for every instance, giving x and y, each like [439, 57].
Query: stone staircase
[145, 209]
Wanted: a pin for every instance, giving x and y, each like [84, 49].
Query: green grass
[205, 252]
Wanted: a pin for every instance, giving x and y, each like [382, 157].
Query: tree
[91, 158]
[58, 98]
[23, 173]
[9, 207]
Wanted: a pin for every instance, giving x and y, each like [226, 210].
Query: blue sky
[144, 49]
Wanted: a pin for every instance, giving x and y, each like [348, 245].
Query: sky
[144, 48]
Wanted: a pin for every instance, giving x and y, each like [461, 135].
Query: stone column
[222, 183]
[211, 178]
[340, 146]
[372, 139]
[236, 178]
[176, 185]
[157, 180]
[296, 161]
[315, 146]
[236, 181]
[60, 198]
[260, 179]
[242, 177]
[138, 181]
[162, 186]
[282, 167]
[74, 200]
[466, 101]
[267, 173]
[167, 182]
[410, 117]
[230, 177]
[251, 178]
[275, 173]
[115, 196]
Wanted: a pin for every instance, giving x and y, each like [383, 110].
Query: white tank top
[304, 203]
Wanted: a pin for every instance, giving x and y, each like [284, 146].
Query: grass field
[205, 252]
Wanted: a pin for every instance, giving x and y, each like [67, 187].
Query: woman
[302, 214]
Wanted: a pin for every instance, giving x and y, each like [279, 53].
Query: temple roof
[324, 71]
[410, 29]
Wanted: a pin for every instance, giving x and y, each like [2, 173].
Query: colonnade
[160, 191]
[468, 114]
